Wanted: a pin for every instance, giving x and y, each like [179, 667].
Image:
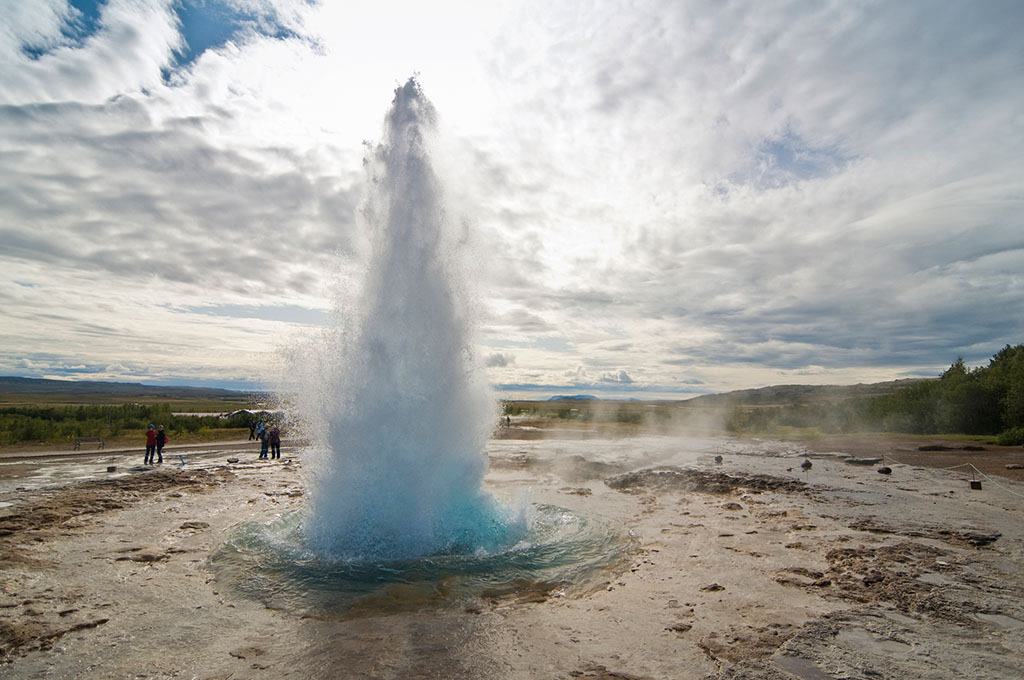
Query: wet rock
[596, 672]
[143, 557]
[674, 478]
[972, 537]
[576, 491]
[250, 652]
[195, 525]
[852, 460]
[886, 470]
[874, 577]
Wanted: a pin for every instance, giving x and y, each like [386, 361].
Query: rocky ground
[748, 568]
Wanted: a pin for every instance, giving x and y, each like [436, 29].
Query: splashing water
[405, 414]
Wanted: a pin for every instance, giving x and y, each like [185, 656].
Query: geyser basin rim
[270, 562]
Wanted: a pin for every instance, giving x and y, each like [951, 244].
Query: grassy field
[185, 405]
[42, 422]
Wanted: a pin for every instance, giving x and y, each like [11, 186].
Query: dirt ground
[751, 567]
[933, 452]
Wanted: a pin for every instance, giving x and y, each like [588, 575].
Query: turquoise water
[560, 552]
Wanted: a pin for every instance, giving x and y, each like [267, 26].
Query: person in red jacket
[150, 444]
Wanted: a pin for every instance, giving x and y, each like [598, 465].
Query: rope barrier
[995, 483]
[956, 467]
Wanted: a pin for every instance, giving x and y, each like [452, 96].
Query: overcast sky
[665, 198]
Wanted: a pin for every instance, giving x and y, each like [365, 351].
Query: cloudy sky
[666, 198]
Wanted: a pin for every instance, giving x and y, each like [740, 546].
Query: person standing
[264, 438]
[161, 440]
[275, 442]
[150, 444]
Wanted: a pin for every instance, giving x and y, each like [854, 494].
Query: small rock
[886, 470]
[111, 468]
[1015, 466]
[247, 652]
[874, 577]
[731, 506]
[576, 491]
[806, 465]
[232, 460]
[195, 525]
[712, 587]
[680, 627]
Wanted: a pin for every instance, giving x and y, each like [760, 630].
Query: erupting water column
[406, 414]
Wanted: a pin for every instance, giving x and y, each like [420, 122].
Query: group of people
[156, 438]
[270, 439]
[268, 436]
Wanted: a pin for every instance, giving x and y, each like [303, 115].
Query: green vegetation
[984, 400]
[63, 424]
[1012, 437]
[987, 400]
[963, 402]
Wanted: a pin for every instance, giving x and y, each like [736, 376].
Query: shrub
[1012, 437]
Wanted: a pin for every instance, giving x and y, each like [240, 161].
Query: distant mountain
[573, 397]
[10, 385]
[777, 395]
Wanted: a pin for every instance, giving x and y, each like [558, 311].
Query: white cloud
[733, 194]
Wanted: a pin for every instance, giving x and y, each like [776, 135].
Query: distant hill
[37, 387]
[779, 395]
[573, 397]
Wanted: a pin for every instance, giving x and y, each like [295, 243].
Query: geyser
[403, 411]
[397, 515]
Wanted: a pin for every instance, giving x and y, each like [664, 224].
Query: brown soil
[992, 460]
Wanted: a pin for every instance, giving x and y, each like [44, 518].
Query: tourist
[150, 444]
[275, 442]
[161, 439]
[252, 430]
[264, 438]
